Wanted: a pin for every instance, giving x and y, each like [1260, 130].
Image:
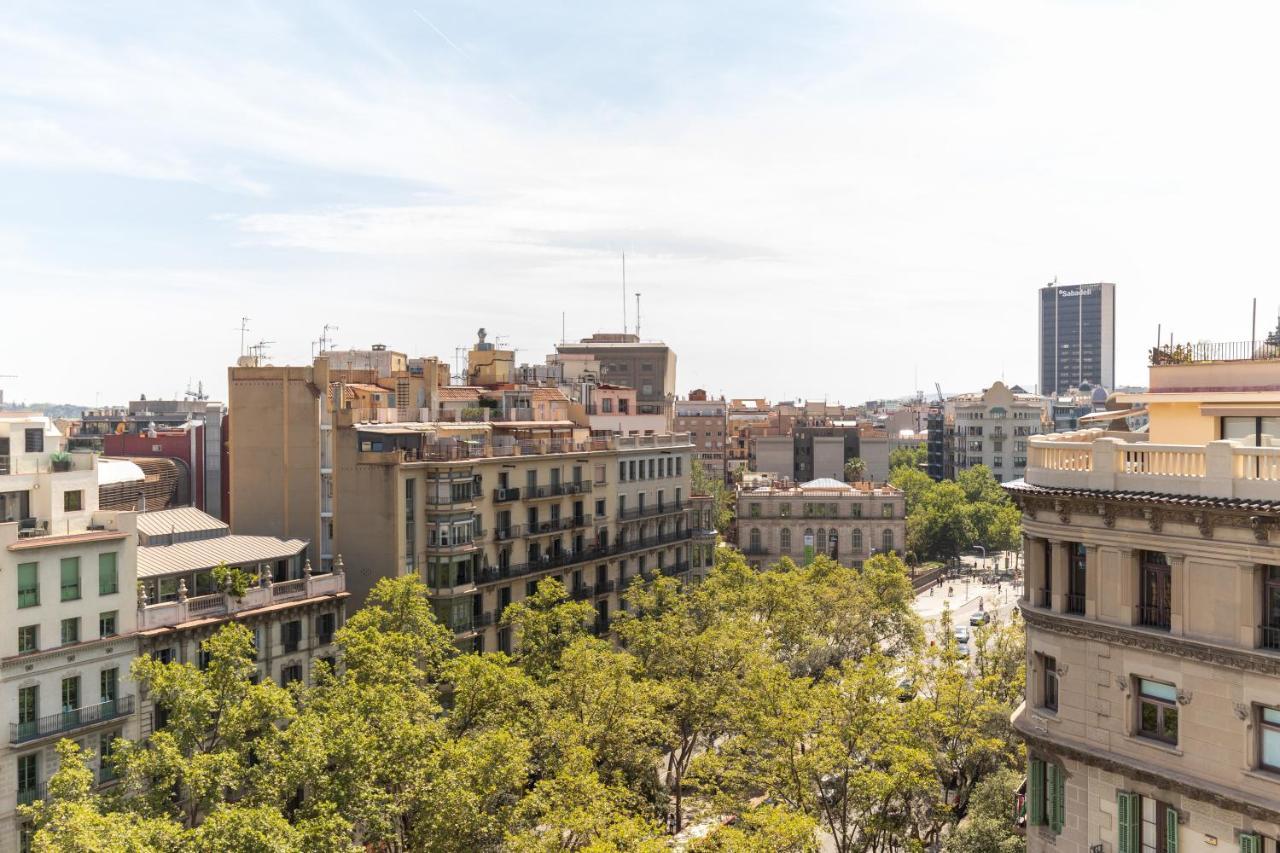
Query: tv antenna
[244, 327]
[198, 393]
[624, 292]
[259, 350]
[637, 316]
[326, 342]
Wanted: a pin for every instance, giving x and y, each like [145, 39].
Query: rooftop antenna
[457, 368]
[562, 326]
[624, 292]
[259, 350]
[637, 316]
[244, 327]
[326, 342]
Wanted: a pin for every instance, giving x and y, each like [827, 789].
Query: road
[964, 596]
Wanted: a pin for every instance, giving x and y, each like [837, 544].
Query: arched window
[857, 541]
[808, 537]
[888, 539]
[755, 539]
[785, 539]
[820, 544]
[833, 542]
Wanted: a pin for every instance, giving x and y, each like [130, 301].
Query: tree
[702, 483]
[855, 470]
[914, 484]
[942, 524]
[988, 827]
[546, 624]
[765, 829]
[912, 458]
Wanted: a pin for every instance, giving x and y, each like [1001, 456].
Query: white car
[961, 634]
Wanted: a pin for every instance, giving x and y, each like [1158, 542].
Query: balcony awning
[1100, 417]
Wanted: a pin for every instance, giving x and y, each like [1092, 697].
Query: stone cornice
[1151, 641]
[1155, 510]
[1228, 799]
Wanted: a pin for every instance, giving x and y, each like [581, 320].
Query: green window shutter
[108, 581]
[1058, 796]
[1250, 843]
[1035, 793]
[1170, 829]
[1128, 821]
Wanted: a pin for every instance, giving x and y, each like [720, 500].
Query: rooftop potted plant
[60, 460]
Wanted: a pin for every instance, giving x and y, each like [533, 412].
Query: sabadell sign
[1079, 291]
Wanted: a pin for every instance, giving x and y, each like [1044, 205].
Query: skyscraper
[1077, 336]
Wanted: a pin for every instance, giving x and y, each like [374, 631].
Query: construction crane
[938, 385]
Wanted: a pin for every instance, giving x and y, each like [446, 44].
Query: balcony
[557, 490]
[28, 795]
[176, 612]
[1153, 616]
[542, 528]
[672, 570]
[1089, 459]
[1205, 352]
[1044, 598]
[466, 547]
[1075, 603]
[505, 495]
[583, 591]
[70, 720]
[1270, 637]
[665, 508]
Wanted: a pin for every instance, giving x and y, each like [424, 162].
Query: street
[964, 597]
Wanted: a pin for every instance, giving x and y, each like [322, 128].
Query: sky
[816, 199]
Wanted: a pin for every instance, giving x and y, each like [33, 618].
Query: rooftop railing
[187, 608]
[1091, 460]
[1205, 351]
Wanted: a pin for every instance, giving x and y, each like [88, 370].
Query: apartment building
[292, 612]
[847, 522]
[647, 366]
[483, 511]
[813, 449]
[707, 423]
[993, 429]
[65, 655]
[1152, 606]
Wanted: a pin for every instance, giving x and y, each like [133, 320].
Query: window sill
[1272, 776]
[1154, 744]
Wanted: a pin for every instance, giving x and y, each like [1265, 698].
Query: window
[1145, 825]
[108, 581]
[1075, 577]
[887, 542]
[1155, 589]
[73, 501]
[70, 578]
[71, 630]
[1049, 687]
[290, 674]
[34, 440]
[1046, 795]
[71, 694]
[106, 768]
[28, 584]
[108, 622]
[784, 510]
[784, 537]
[1269, 738]
[28, 639]
[856, 541]
[855, 510]
[1270, 608]
[28, 777]
[291, 635]
[109, 684]
[1157, 711]
[886, 511]
[753, 510]
[754, 539]
[324, 628]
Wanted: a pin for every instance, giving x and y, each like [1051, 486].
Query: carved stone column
[1179, 591]
[1059, 597]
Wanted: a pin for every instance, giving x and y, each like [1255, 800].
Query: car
[961, 635]
[982, 617]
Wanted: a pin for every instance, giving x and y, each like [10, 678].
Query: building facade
[707, 423]
[1152, 606]
[1077, 336]
[849, 523]
[68, 608]
[647, 366]
[993, 429]
[292, 612]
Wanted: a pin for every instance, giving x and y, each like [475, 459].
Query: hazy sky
[816, 199]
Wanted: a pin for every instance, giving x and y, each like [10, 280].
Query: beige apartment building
[992, 429]
[1152, 605]
[647, 366]
[485, 511]
[706, 421]
[849, 522]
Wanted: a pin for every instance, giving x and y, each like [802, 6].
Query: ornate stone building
[1152, 604]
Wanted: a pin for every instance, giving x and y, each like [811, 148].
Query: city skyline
[895, 180]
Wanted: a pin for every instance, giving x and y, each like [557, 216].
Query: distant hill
[53, 410]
